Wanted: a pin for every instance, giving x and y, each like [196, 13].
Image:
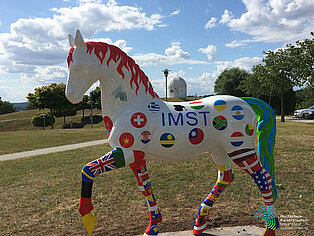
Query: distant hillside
[20, 106]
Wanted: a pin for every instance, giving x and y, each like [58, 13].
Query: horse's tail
[266, 134]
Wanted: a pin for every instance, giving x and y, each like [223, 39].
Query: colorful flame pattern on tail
[266, 134]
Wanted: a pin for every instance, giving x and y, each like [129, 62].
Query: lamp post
[166, 72]
[44, 118]
[91, 110]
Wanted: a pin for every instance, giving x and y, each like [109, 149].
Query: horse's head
[84, 69]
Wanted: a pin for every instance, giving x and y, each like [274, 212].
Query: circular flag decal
[220, 122]
[237, 112]
[138, 120]
[126, 140]
[145, 137]
[220, 105]
[237, 139]
[108, 124]
[167, 140]
[249, 129]
[196, 136]
[197, 105]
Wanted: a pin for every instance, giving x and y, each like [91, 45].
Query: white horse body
[141, 125]
[165, 119]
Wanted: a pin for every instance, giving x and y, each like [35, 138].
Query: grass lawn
[19, 121]
[18, 134]
[40, 195]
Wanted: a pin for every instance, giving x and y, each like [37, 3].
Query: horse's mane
[118, 56]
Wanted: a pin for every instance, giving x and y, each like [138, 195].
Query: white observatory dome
[177, 88]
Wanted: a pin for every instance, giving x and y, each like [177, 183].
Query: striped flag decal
[237, 139]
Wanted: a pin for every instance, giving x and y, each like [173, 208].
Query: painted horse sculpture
[140, 126]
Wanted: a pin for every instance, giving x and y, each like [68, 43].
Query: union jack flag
[105, 163]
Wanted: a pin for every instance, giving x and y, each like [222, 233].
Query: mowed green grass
[17, 134]
[19, 121]
[18, 141]
[40, 195]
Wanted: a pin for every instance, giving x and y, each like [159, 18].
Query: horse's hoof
[152, 230]
[89, 221]
[269, 232]
[199, 229]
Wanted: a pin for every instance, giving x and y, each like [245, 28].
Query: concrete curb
[248, 230]
[41, 151]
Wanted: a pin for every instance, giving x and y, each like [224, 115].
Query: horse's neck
[117, 96]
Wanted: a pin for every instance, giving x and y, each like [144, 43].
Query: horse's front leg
[112, 160]
[144, 184]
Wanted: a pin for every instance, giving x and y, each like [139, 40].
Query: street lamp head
[166, 72]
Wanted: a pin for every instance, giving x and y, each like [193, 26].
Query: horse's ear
[79, 41]
[71, 40]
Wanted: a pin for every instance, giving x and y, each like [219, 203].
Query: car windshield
[312, 107]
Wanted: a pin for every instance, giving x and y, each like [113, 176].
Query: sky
[195, 39]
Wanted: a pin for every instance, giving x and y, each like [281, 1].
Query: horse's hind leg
[112, 160]
[248, 161]
[140, 171]
[225, 177]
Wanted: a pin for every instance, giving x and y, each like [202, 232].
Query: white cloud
[245, 63]
[210, 51]
[176, 12]
[211, 23]
[176, 51]
[119, 43]
[173, 56]
[43, 41]
[274, 20]
[46, 75]
[226, 17]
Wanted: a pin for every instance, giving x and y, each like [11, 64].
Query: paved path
[18, 155]
[226, 231]
[297, 120]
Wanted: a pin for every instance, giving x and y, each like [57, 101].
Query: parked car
[305, 113]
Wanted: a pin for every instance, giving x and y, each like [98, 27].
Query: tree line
[53, 97]
[274, 79]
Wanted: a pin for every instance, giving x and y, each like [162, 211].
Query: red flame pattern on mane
[118, 56]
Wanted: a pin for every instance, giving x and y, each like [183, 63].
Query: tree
[96, 97]
[281, 70]
[51, 97]
[259, 84]
[303, 61]
[82, 105]
[304, 97]
[229, 80]
[6, 107]
[65, 111]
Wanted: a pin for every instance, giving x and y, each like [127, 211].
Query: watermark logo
[267, 215]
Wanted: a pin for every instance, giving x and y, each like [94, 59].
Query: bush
[38, 119]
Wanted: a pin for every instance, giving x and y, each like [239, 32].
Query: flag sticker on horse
[220, 122]
[138, 120]
[237, 139]
[220, 105]
[126, 140]
[196, 105]
[145, 137]
[167, 140]
[153, 107]
[196, 136]
[237, 112]
[249, 129]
